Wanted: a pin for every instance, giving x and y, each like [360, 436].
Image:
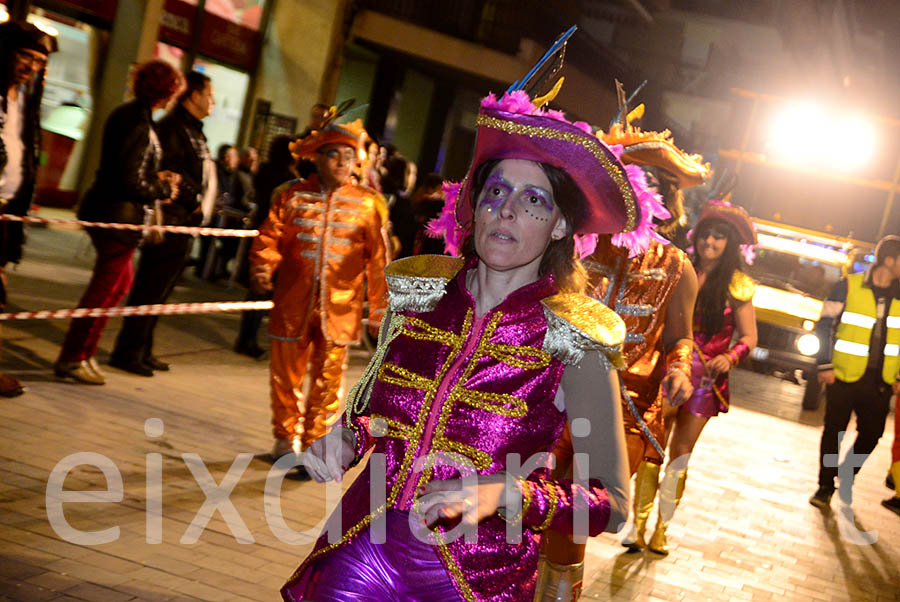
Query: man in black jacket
[185, 152]
[25, 50]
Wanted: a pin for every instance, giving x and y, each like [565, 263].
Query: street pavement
[744, 530]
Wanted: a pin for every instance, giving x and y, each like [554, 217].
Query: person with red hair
[128, 180]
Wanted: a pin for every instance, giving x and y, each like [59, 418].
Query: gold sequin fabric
[742, 288]
[417, 283]
[577, 324]
[624, 284]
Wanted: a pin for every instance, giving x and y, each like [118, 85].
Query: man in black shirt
[185, 152]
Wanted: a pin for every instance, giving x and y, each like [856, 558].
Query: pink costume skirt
[403, 569]
[704, 401]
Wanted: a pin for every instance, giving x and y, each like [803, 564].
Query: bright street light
[807, 134]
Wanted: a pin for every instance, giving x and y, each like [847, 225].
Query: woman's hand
[456, 498]
[677, 387]
[169, 176]
[172, 179]
[718, 365]
[329, 457]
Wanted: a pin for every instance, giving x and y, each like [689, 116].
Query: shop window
[170, 54]
[230, 90]
[66, 105]
[243, 12]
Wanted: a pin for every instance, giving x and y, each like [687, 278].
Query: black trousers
[159, 268]
[870, 399]
[251, 320]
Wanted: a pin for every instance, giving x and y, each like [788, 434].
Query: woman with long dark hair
[482, 362]
[724, 334]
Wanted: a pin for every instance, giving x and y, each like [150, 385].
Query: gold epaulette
[577, 324]
[418, 283]
[742, 286]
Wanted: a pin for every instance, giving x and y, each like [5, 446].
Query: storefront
[220, 38]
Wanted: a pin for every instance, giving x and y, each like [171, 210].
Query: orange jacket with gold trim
[322, 246]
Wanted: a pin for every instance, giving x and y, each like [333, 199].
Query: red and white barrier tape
[138, 227]
[158, 309]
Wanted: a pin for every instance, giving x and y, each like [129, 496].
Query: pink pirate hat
[513, 128]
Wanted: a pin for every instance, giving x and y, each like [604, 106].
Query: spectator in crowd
[239, 210]
[371, 164]
[237, 204]
[396, 186]
[130, 179]
[278, 170]
[317, 119]
[324, 238]
[427, 202]
[184, 151]
[25, 51]
[249, 160]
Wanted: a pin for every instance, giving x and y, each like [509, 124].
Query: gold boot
[558, 582]
[670, 492]
[646, 483]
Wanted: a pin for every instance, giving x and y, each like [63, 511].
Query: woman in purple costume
[482, 362]
[724, 334]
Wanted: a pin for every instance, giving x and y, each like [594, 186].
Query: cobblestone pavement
[744, 530]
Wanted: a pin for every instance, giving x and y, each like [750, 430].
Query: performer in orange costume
[323, 236]
[652, 288]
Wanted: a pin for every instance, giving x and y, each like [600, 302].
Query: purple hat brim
[593, 167]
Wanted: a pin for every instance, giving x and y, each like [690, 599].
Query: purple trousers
[403, 569]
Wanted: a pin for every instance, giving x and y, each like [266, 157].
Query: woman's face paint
[532, 199]
[516, 217]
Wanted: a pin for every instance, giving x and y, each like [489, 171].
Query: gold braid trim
[524, 487]
[527, 497]
[455, 342]
[352, 531]
[358, 398]
[454, 569]
[589, 143]
[551, 506]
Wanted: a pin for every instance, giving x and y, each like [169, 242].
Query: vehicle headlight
[808, 344]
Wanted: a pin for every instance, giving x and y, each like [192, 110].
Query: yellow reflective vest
[854, 333]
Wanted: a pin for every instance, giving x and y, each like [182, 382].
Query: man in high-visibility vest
[860, 364]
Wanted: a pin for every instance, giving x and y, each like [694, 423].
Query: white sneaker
[95, 367]
[80, 371]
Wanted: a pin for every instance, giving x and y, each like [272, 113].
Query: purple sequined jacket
[481, 388]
